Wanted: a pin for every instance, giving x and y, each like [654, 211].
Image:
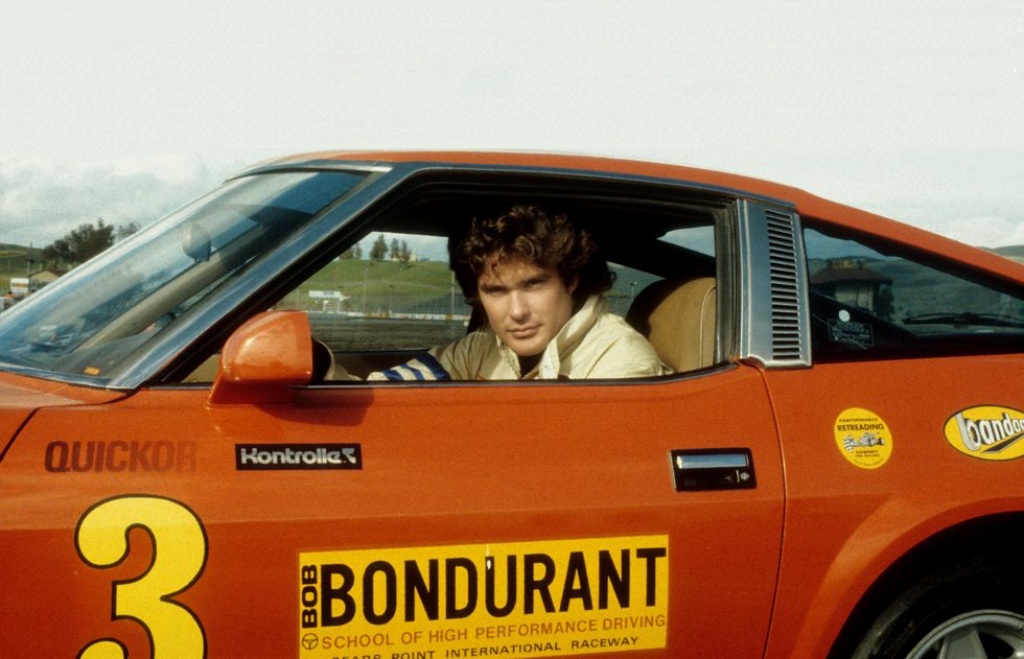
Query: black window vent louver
[785, 286]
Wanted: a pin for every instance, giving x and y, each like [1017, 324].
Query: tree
[81, 244]
[395, 249]
[379, 249]
[126, 230]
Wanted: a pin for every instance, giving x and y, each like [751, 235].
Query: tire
[973, 609]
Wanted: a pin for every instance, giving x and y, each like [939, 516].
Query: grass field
[377, 287]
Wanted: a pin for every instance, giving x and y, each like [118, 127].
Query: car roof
[575, 162]
[805, 203]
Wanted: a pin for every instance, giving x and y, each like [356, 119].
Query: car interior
[675, 305]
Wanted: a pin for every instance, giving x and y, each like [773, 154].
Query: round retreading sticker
[863, 438]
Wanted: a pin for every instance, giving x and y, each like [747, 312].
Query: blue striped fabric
[424, 367]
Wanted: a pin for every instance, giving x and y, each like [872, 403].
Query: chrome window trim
[773, 327]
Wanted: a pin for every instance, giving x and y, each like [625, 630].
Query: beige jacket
[594, 343]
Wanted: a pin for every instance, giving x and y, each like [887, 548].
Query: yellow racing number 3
[179, 555]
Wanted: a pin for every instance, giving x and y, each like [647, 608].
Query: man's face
[526, 305]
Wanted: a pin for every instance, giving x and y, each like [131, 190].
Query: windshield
[96, 317]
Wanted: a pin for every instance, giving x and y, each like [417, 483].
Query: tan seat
[678, 317]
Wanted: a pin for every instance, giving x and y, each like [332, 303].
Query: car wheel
[979, 634]
[973, 610]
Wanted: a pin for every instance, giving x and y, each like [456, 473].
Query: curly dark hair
[537, 236]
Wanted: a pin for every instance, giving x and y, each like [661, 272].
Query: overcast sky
[126, 109]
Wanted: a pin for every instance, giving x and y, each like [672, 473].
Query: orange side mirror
[265, 357]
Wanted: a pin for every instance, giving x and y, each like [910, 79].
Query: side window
[391, 296]
[867, 300]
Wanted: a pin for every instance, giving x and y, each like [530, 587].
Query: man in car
[540, 281]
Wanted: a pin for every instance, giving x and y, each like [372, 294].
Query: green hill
[15, 262]
[376, 286]
[1015, 252]
[417, 287]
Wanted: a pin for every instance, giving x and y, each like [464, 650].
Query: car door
[541, 520]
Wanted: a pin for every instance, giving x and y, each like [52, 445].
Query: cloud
[909, 109]
[42, 201]
[983, 231]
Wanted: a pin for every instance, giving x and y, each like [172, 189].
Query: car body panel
[21, 396]
[849, 518]
[403, 496]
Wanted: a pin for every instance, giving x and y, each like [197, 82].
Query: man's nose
[518, 308]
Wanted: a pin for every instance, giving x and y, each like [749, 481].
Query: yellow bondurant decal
[988, 432]
[863, 438]
[525, 599]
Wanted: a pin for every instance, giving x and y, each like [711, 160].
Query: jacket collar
[567, 339]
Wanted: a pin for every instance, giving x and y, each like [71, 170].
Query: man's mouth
[523, 332]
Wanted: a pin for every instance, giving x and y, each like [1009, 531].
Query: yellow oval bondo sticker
[987, 432]
[863, 438]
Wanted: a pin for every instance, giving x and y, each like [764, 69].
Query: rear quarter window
[870, 300]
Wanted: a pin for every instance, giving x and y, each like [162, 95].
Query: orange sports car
[194, 463]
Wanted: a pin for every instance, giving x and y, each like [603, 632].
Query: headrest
[678, 317]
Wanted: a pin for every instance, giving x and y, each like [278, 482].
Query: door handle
[713, 469]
